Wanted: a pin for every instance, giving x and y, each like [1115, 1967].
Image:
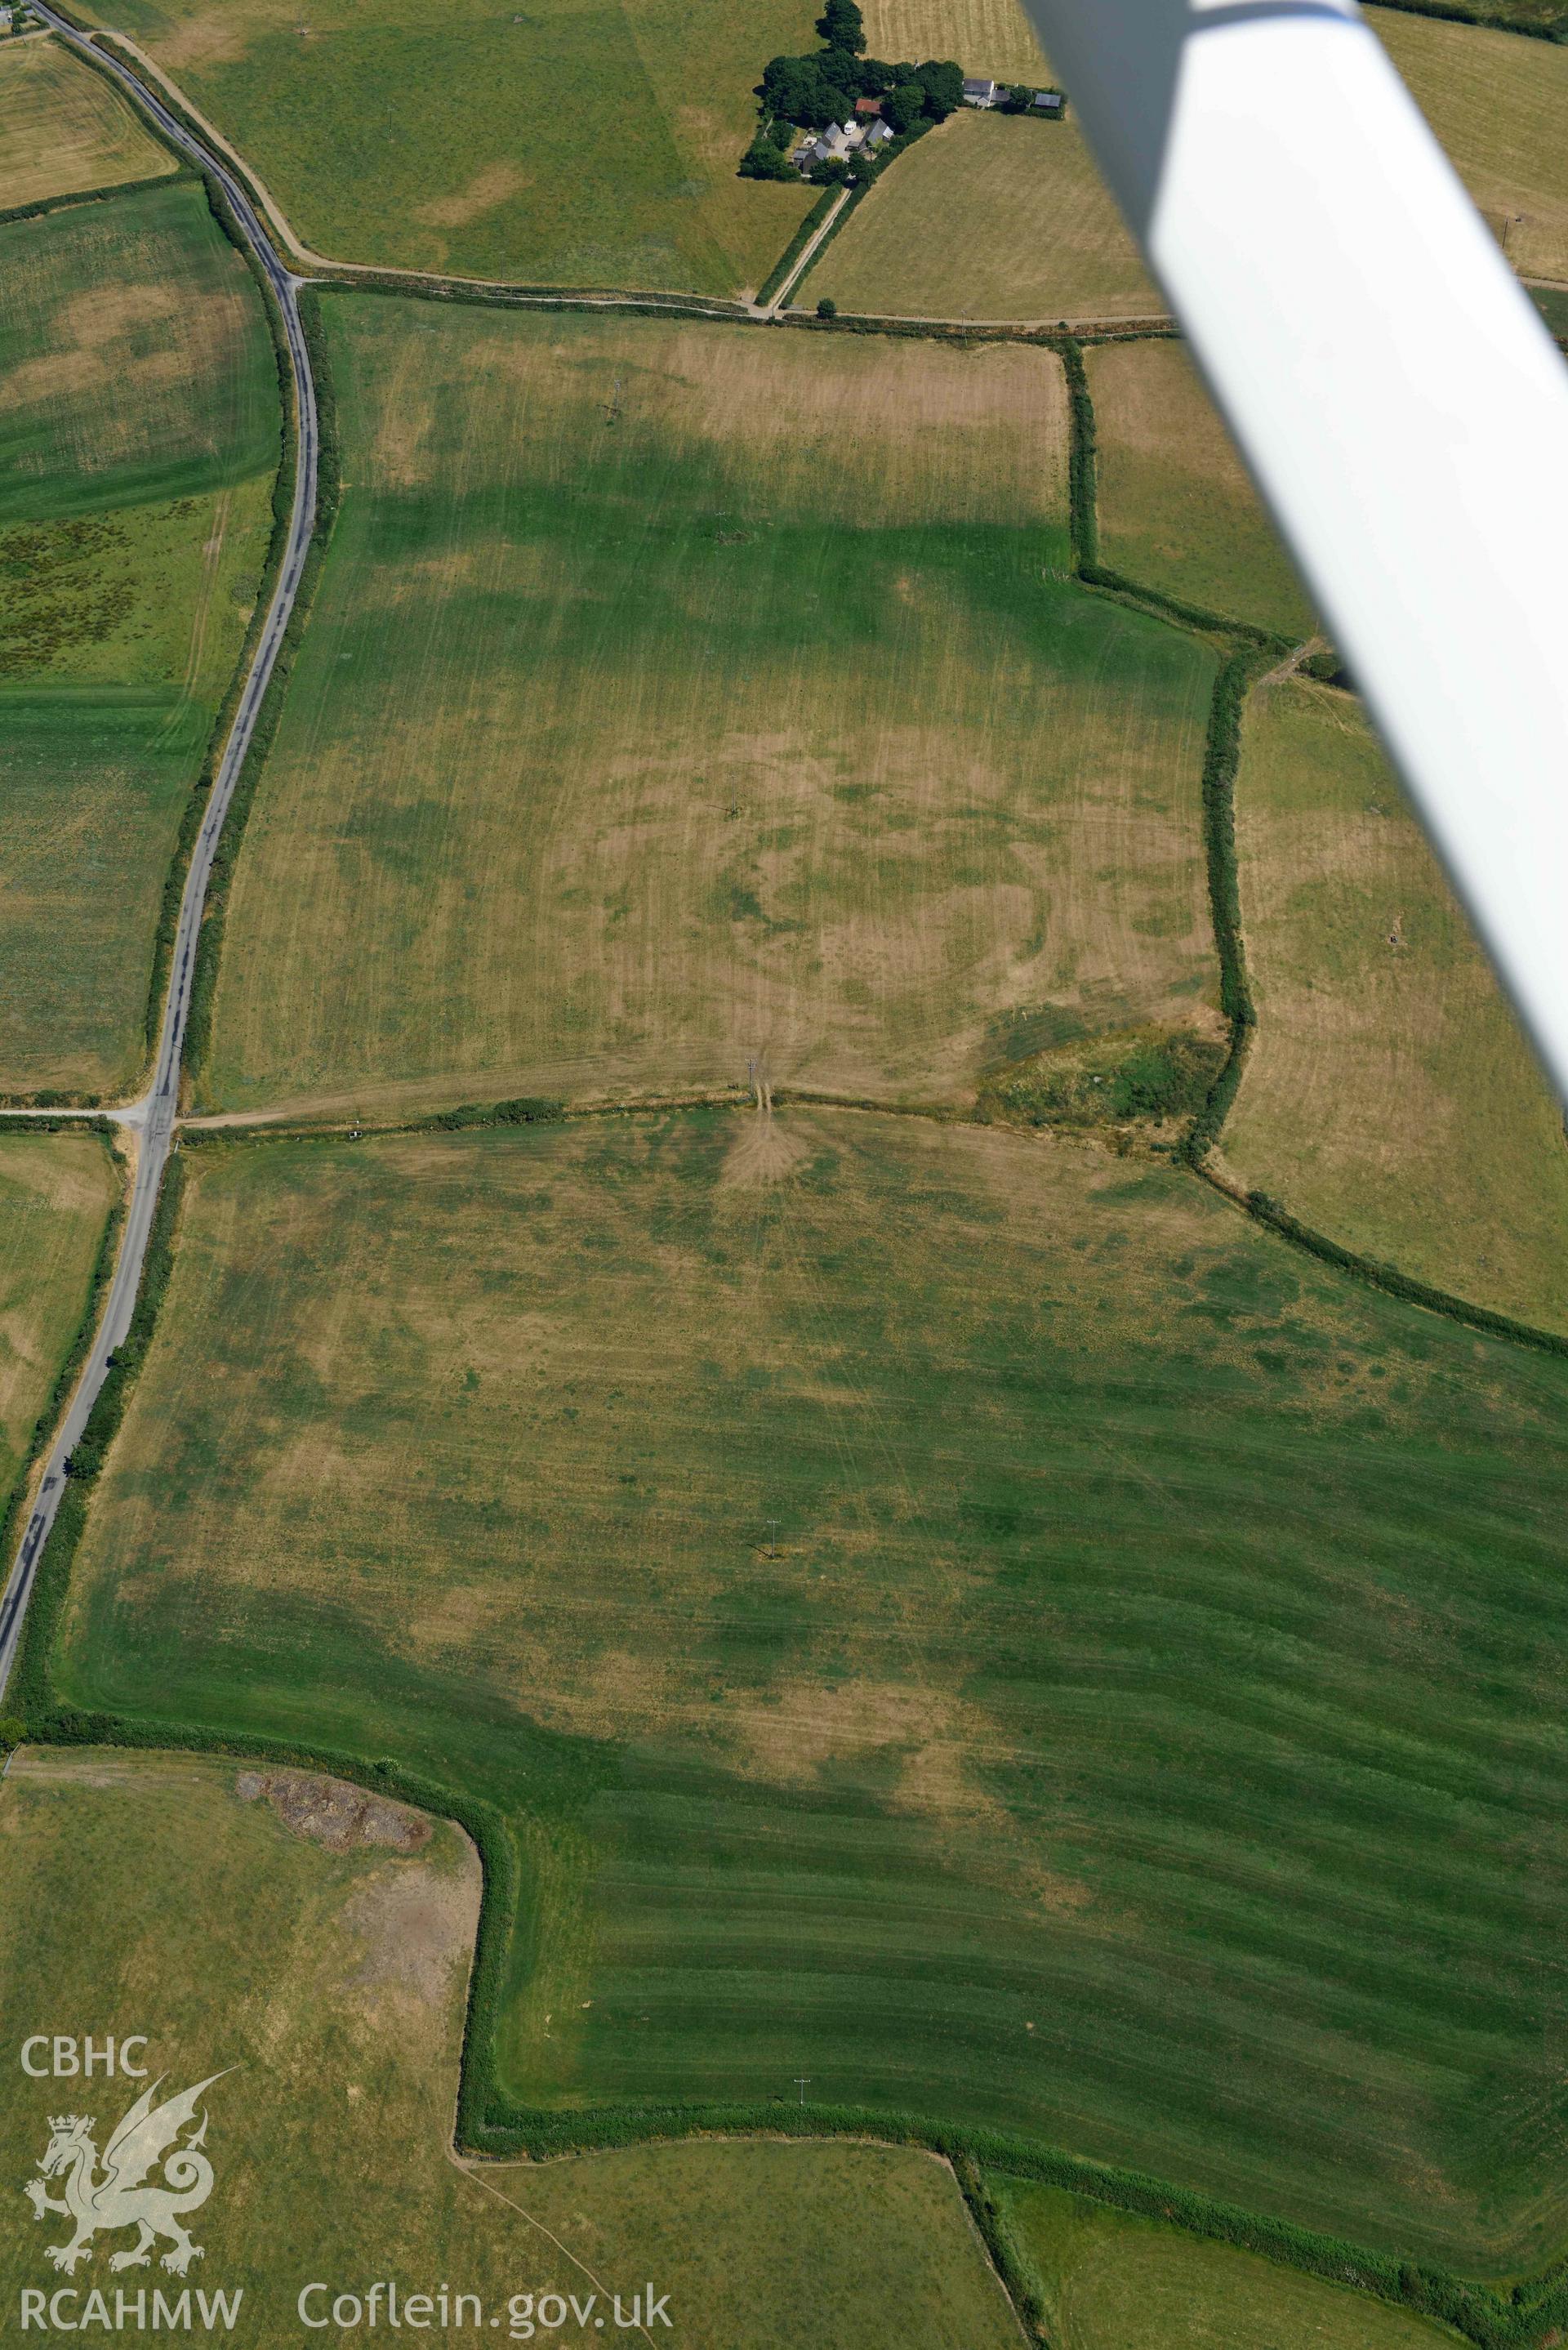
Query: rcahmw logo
[152, 2176]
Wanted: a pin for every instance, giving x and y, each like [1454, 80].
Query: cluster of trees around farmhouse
[814, 91]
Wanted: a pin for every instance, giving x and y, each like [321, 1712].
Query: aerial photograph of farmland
[783, 1371]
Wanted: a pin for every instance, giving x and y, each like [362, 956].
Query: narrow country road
[152, 1117]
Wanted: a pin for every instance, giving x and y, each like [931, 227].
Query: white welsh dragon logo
[118, 2198]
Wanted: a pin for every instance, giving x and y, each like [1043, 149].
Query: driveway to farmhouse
[808, 254]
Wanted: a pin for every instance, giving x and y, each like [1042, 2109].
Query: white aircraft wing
[1399, 402]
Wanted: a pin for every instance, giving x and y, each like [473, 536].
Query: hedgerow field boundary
[487, 2121]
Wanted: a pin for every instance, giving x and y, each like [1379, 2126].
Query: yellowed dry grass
[1176, 510]
[492, 184]
[1499, 105]
[64, 129]
[989, 217]
[56, 1193]
[474, 1439]
[986, 36]
[557, 1612]
[1390, 1098]
[868, 431]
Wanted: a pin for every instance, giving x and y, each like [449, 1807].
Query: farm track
[151, 1121]
[803, 260]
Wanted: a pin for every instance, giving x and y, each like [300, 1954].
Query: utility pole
[801, 2081]
[773, 1538]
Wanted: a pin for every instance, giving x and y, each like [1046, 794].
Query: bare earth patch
[333, 1813]
[417, 1926]
[764, 1153]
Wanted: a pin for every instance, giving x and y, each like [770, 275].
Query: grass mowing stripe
[991, 217]
[928, 1774]
[326, 1972]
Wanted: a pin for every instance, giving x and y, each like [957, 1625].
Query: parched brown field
[1390, 1099]
[1176, 510]
[989, 217]
[1499, 105]
[682, 696]
[55, 1194]
[986, 36]
[64, 128]
[145, 1892]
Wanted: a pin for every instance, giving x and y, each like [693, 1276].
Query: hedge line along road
[152, 1117]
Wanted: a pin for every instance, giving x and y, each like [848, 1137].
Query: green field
[987, 217]
[1499, 105]
[680, 696]
[56, 1193]
[134, 359]
[969, 1620]
[1111, 2281]
[64, 129]
[1176, 511]
[568, 145]
[1390, 1098]
[333, 1979]
[138, 432]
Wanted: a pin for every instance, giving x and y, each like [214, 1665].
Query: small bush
[1169, 1080]
[526, 1110]
[827, 308]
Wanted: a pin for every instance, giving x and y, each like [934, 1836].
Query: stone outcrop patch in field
[333, 1813]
